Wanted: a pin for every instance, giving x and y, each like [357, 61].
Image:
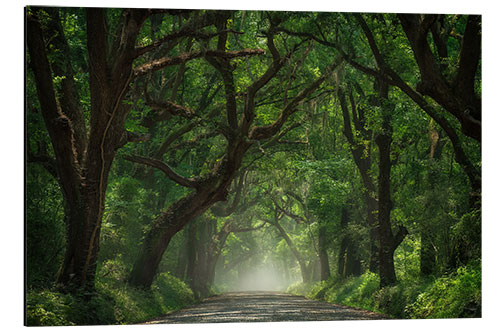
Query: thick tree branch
[469, 56]
[229, 209]
[128, 136]
[371, 41]
[47, 162]
[392, 78]
[171, 108]
[162, 166]
[346, 116]
[400, 236]
[278, 62]
[171, 61]
[190, 29]
[123, 52]
[463, 103]
[67, 91]
[58, 125]
[440, 37]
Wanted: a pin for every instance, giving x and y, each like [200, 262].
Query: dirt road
[262, 307]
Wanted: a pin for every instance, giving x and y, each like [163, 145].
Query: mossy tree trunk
[82, 158]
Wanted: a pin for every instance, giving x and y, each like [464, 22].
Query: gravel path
[263, 307]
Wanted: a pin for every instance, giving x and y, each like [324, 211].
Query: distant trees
[240, 133]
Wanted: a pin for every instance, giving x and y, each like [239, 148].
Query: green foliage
[45, 228]
[407, 258]
[52, 308]
[352, 291]
[132, 305]
[113, 303]
[466, 235]
[456, 295]
[299, 288]
[171, 292]
[47, 309]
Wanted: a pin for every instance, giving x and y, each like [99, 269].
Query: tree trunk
[388, 243]
[323, 254]
[349, 263]
[191, 253]
[182, 258]
[82, 160]
[362, 159]
[427, 237]
[304, 271]
[177, 216]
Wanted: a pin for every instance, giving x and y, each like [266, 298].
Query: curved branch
[171, 108]
[128, 136]
[228, 210]
[190, 29]
[171, 61]
[47, 162]
[162, 166]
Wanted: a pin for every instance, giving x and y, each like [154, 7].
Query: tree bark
[427, 237]
[456, 96]
[304, 271]
[349, 263]
[388, 242]
[323, 254]
[82, 161]
[362, 158]
[386, 248]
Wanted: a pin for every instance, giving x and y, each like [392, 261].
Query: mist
[263, 277]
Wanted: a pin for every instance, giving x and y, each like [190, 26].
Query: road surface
[263, 307]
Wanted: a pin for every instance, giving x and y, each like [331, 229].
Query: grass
[112, 303]
[455, 295]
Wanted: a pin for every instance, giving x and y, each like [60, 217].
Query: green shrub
[47, 308]
[456, 295]
[112, 303]
[50, 308]
[299, 288]
[134, 305]
[319, 289]
[171, 292]
[354, 291]
[390, 300]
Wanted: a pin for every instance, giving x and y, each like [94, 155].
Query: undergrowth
[455, 295]
[113, 302]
